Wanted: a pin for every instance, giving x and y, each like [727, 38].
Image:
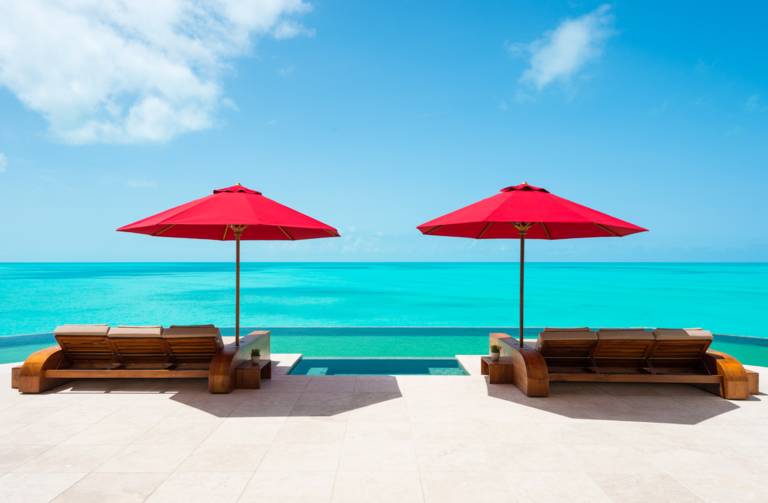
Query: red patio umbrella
[233, 214]
[527, 212]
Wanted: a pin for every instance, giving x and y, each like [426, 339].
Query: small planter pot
[255, 359]
[494, 357]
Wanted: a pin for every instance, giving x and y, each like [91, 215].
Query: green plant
[495, 349]
[255, 353]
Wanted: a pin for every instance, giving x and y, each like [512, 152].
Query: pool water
[377, 366]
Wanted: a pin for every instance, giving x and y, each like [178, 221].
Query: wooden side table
[498, 372]
[249, 375]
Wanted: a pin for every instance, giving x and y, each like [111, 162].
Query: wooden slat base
[126, 374]
[635, 378]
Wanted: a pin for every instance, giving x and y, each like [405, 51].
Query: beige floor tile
[302, 430]
[644, 487]
[302, 456]
[13, 456]
[70, 459]
[174, 431]
[245, 431]
[112, 487]
[366, 455]
[327, 405]
[147, 458]
[225, 458]
[452, 455]
[112, 431]
[332, 384]
[292, 486]
[202, 487]
[742, 487]
[474, 487]
[35, 487]
[378, 487]
[377, 384]
[553, 487]
[389, 431]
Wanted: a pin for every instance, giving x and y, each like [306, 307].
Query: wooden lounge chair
[86, 346]
[140, 347]
[193, 346]
[567, 348]
[679, 350]
[621, 355]
[89, 352]
[621, 350]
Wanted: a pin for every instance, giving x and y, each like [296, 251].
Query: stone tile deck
[371, 439]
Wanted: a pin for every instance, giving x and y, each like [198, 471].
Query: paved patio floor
[380, 439]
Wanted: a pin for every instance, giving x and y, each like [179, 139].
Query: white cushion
[624, 334]
[136, 331]
[567, 334]
[186, 331]
[84, 330]
[682, 334]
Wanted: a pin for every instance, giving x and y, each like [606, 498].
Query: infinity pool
[378, 366]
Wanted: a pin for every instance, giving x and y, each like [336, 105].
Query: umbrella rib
[546, 230]
[609, 231]
[485, 228]
[224, 237]
[285, 232]
[163, 230]
[431, 230]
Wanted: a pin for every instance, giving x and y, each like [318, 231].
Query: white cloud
[124, 71]
[561, 53]
[3, 162]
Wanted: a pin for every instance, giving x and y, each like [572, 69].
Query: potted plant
[255, 356]
[495, 352]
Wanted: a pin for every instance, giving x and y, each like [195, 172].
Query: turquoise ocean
[344, 309]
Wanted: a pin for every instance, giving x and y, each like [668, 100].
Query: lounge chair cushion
[125, 331]
[624, 334]
[567, 334]
[186, 331]
[682, 334]
[84, 330]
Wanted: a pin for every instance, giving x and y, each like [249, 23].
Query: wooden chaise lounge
[679, 356]
[178, 352]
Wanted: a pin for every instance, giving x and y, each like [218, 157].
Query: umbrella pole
[522, 229]
[237, 288]
[522, 283]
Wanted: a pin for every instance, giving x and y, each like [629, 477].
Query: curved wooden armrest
[221, 373]
[734, 385]
[32, 374]
[530, 374]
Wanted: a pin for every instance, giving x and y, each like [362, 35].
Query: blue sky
[376, 117]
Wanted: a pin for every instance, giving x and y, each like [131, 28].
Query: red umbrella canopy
[549, 217]
[214, 216]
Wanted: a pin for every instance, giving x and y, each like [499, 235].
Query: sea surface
[726, 298]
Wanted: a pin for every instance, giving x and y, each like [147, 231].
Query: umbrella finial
[239, 184]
